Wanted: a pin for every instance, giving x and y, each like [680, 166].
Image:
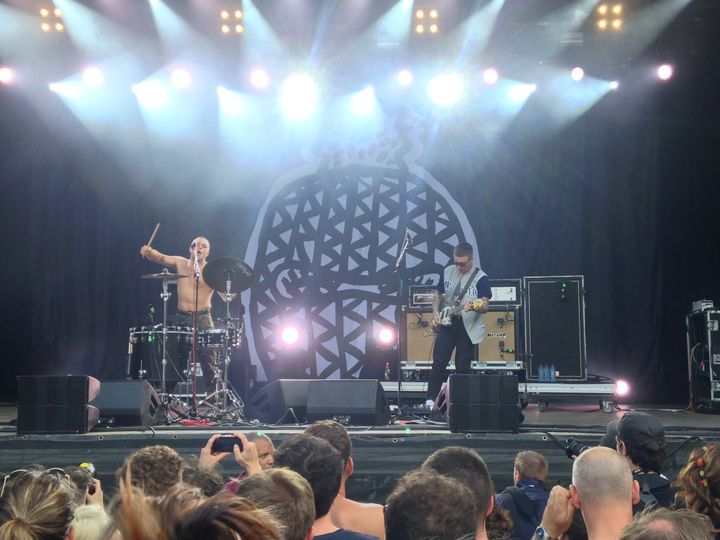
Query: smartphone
[225, 444]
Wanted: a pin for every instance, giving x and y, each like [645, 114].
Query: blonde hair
[90, 522]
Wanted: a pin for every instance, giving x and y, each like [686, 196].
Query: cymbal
[218, 271]
[164, 275]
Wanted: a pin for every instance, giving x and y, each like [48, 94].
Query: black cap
[639, 428]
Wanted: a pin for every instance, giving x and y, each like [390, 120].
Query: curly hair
[698, 483]
[658, 523]
[154, 469]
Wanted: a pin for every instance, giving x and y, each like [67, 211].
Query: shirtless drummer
[199, 250]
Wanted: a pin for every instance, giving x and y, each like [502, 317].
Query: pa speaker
[128, 403]
[56, 418]
[56, 389]
[272, 402]
[479, 417]
[555, 327]
[489, 389]
[362, 400]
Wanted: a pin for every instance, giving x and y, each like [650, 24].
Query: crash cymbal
[218, 271]
[165, 274]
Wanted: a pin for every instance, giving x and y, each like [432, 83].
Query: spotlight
[577, 74]
[45, 27]
[616, 24]
[622, 388]
[7, 75]
[665, 72]
[602, 9]
[93, 77]
[180, 78]
[602, 24]
[68, 90]
[51, 20]
[259, 78]
[238, 14]
[446, 90]
[420, 29]
[614, 85]
[231, 103]
[239, 29]
[420, 14]
[225, 29]
[44, 13]
[290, 335]
[405, 77]
[433, 13]
[490, 76]
[230, 21]
[224, 14]
[58, 12]
[298, 96]
[386, 336]
[433, 28]
[426, 21]
[617, 9]
[59, 27]
[520, 92]
[152, 95]
[363, 102]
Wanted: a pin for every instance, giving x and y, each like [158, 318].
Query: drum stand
[224, 392]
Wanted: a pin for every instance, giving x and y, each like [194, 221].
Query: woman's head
[699, 482]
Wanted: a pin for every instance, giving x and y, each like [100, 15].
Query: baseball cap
[638, 428]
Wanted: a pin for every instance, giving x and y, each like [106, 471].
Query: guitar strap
[459, 295]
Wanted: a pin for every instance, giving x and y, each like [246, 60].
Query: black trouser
[204, 322]
[448, 338]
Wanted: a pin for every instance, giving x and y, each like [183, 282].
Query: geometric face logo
[324, 253]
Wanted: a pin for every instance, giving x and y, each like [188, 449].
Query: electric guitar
[449, 311]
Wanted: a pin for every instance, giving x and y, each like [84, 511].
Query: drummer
[199, 250]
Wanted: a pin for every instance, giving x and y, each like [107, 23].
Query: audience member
[154, 469]
[287, 496]
[699, 484]
[427, 505]
[498, 524]
[641, 439]
[345, 513]
[602, 489]
[36, 504]
[209, 481]
[526, 500]
[321, 465]
[90, 522]
[658, 523]
[466, 465]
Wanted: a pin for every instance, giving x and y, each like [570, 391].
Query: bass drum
[145, 354]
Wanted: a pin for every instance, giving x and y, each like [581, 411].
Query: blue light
[446, 90]
[231, 103]
[298, 96]
[363, 102]
[152, 95]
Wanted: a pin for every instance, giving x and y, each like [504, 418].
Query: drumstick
[152, 237]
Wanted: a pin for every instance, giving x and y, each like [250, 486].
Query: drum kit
[166, 355]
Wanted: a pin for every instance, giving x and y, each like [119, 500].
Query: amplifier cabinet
[703, 349]
[555, 327]
[501, 325]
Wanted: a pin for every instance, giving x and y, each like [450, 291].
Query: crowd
[298, 492]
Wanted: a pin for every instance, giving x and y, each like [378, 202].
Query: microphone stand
[400, 270]
[196, 272]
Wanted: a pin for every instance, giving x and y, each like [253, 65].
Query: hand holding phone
[225, 443]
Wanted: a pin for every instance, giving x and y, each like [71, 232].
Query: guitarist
[464, 289]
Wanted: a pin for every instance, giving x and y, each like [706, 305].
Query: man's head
[200, 247]
[602, 477]
[641, 438]
[154, 469]
[337, 436]
[287, 496]
[462, 257]
[465, 465]
[318, 462]
[428, 505]
[529, 464]
[658, 523]
[265, 448]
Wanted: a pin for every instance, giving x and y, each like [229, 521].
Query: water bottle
[552, 373]
[387, 371]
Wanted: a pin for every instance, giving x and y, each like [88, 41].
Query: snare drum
[145, 353]
[218, 338]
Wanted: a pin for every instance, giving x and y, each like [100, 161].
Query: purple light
[622, 388]
[665, 72]
[290, 335]
[259, 78]
[6, 75]
[386, 336]
[490, 76]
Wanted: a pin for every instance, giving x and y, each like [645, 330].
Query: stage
[381, 454]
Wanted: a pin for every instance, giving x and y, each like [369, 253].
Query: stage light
[7, 75]
[238, 14]
[290, 335]
[51, 20]
[405, 77]
[617, 9]
[520, 92]
[433, 13]
[433, 28]
[93, 77]
[239, 29]
[44, 13]
[152, 95]
[224, 14]
[225, 29]
[426, 21]
[386, 336]
[614, 85]
[420, 14]
[446, 90]
[665, 72]
[298, 96]
[180, 78]
[577, 74]
[231, 103]
[622, 388]
[230, 21]
[68, 90]
[420, 29]
[490, 76]
[59, 27]
[617, 24]
[363, 102]
[602, 24]
[45, 27]
[259, 78]
[602, 9]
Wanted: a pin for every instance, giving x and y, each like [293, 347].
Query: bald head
[602, 475]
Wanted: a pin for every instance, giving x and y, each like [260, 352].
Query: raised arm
[156, 256]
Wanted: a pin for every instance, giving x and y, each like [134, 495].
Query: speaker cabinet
[273, 400]
[56, 403]
[362, 400]
[419, 338]
[129, 403]
[479, 403]
[555, 327]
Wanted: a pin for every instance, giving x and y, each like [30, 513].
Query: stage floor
[382, 453]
